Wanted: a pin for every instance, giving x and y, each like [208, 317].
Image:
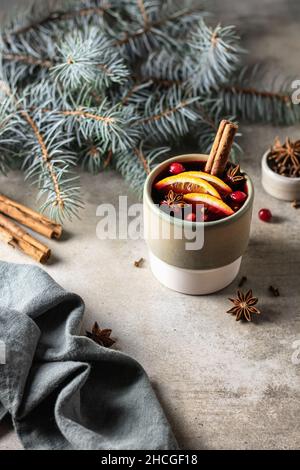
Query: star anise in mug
[244, 305]
[174, 199]
[234, 175]
[101, 336]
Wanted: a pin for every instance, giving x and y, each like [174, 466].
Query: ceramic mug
[215, 262]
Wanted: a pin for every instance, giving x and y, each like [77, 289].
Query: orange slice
[208, 201]
[213, 180]
[184, 183]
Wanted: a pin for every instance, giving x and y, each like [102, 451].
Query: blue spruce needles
[88, 58]
[115, 85]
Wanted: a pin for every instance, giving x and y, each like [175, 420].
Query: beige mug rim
[180, 222]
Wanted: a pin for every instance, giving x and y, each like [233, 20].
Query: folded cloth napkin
[64, 391]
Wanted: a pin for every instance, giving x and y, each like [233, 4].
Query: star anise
[285, 158]
[234, 175]
[244, 306]
[100, 336]
[174, 199]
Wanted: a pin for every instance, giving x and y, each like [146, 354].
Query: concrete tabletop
[223, 384]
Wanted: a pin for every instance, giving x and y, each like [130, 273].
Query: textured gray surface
[118, 408]
[224, 385]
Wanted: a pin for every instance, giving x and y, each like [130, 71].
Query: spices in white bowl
[281, 170]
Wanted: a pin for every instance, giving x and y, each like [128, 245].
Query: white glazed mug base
[194, 281]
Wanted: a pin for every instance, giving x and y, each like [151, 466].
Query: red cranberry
[238, 196]
[176, 168]
[191, 217]
[265, 215]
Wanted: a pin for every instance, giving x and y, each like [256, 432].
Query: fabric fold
[63, 391]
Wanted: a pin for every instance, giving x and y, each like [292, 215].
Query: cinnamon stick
[212, 155]
[15, 236]
[221, 148]
[30, 218]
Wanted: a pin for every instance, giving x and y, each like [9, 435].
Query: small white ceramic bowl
[281, 187]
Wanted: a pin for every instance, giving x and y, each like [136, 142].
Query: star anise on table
[244, 306]
[234, 175]
[285, 158]
[174, 199]
[101, 336]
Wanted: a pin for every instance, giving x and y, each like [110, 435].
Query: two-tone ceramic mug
[215, 262]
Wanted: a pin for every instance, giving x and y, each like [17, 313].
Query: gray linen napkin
[63, 391]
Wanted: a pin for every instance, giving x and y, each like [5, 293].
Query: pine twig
[259, 93]
[143, 11]
[62, 16]
[108, 159]
[166, 113]
[139, 153]
[45, 156]
[83, 114]
[41, 143]
[148, 27]
[28, 59]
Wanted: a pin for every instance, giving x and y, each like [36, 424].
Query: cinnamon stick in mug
[221, 148]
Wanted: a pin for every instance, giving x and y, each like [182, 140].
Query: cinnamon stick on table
[28, 217]
[221, 148]
[15, 236]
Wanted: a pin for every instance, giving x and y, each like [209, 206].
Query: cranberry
[191, 217]
[265, 215]
[238, 196]
[176, 168]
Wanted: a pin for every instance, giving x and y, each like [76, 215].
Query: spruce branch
[25, 56]
[169, 116]
[140, 155]
[61, 16]
[167, 69]
[157, 31]
[284, 97]
[95, 156]
[50, 169]
[136, 93]
[8, 121]
[107, 123]
[216, 54]
[142, 6]
[27, 59]
[108, 120]
[88, 58]
[43, 162]
[257, 103]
